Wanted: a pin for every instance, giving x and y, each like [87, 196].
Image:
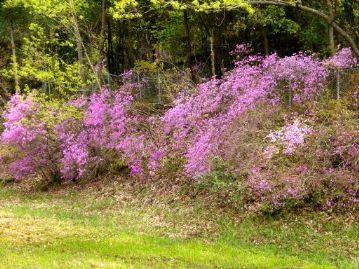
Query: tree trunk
[213, 56]
[331, 40]
[265, 41]
[188, 43]
[80, 55]
[100, 59]
[81, 52]
[14, 60]
[331, 29]
[218, 54]
[110, 58]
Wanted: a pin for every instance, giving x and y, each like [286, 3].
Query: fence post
[338, 84]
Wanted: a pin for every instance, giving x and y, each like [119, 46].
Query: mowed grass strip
[33, 242]
[36, 233]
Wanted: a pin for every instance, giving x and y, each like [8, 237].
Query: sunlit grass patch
[34, 230]
[139, 251]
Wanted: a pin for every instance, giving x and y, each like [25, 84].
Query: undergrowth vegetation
[267, 136]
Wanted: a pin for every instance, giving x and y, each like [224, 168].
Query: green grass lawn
[88, 228]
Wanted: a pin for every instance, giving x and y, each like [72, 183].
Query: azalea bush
[76, 139]
[29, 141]
[264, 153]
[285, 162]
[259, 129]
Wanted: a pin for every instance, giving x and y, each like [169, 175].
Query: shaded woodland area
[61, 45]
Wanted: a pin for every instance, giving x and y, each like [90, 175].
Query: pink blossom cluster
[18, 128]
[241, 51]
[344, 58]
[199, 122]
[290, 137]
[108, 125]
[75, 157]
[302, 75]
[346, 144]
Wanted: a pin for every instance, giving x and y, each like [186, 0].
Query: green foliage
[275, 18]
[67, 46]
[40, 64]
[218, 179]
[145, 66]
[130, 9]
[46, 57]
[221, 182]
[125, 9]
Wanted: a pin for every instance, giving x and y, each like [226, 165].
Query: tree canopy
[65, 46]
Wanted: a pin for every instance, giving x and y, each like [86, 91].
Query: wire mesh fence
[342, 80]
[154, 86]
[162, 86]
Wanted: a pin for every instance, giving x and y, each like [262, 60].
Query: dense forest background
[64, 47]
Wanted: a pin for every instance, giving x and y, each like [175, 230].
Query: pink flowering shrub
[335, 160]
[198, 122]
[28, 139]
[71, 140]
[346, 145]
[236, 132]
[319, 170]
[202, 128]
[74, 140]
[108, 130]
[113, 123]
